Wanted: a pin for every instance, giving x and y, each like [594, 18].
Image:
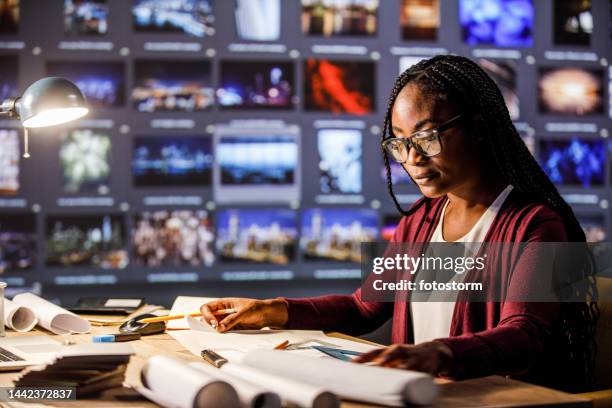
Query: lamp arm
[9, 107]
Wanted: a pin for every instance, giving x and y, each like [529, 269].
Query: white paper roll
[185, 386]
[17, 317]
[52, 317]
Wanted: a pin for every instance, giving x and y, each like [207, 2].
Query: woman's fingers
[208, 316]
[369, 356]
[232, 320]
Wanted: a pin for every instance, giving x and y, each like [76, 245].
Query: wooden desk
[491, 391]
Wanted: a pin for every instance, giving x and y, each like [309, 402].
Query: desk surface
[491, 391]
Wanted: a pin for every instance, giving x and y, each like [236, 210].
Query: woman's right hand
[248, 313]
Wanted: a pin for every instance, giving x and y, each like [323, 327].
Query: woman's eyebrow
[417, 126]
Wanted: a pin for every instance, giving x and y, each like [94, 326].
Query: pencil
[180, 316]
[282, 346]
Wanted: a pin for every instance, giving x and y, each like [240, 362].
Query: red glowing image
[339, 86]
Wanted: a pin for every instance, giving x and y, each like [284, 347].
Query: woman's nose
[415, 158]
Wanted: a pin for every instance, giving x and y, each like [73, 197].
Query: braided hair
[462, 82]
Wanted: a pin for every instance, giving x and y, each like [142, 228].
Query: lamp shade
[51, 101]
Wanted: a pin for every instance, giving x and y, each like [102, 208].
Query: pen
[180, 316]
[117, 337]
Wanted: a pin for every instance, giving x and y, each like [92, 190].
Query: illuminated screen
[103, 83]
[340, 161]
[173, 238]
[504, 74]
[250, 235]
[191, 17]
[573, 22]
[574, 162]
[8, 77]
[171, 85]
[9, 16]
[85, 17]
[256, 85]
[339, 17]
[570, 91]
[336, 233]
[85, 161]
[169, 161]
[420, 19]
[17, 242]
[258, 20]
[594, 226]
[339, 86]
[390, 223]
[9, 162]
[504, 23]
[86, 240]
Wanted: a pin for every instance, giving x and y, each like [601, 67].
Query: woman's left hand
[432, 357]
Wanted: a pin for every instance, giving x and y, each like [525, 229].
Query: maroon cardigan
[507, 338]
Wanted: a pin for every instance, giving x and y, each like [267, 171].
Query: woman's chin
[432, 191]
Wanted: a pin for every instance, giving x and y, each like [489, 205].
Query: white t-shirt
[430, 319]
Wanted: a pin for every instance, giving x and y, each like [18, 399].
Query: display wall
[234, 141]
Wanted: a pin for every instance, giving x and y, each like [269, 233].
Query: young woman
[447, 124]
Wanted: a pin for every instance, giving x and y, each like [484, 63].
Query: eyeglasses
[426, 142]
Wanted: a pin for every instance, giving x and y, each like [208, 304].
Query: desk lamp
[47, 102]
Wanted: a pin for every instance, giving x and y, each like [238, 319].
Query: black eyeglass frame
[408, 143]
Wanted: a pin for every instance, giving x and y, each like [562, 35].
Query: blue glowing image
[103, 83]
[574, 162]
[504, 23]
[171, 161]
[192, 17]
[256, 160]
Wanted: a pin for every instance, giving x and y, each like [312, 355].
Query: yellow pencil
[180, 316]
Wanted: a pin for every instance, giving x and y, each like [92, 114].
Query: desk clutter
[89, 368]
[251, 368]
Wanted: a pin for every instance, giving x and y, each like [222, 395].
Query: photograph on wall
[420, 19]
[17, 242]
[172, 86]
[256, 166]
[191, 17]
[594, 226]
[85, 161]
[102, 83]
[9, 162]
[340, 161]
[335, 234]
[339, 86]
[258, 20]
[9, 16]
[334, 18]
[86, 240]
[173, 238]
[246, 84]
[8, 77]
[256, 235]
[85, 17]
[572, 91]
[578, 162]
[504, 73]
[502, 23]
[408, 61]
[171, 161]
[572, 22]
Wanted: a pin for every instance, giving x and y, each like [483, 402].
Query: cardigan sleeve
[524, 328]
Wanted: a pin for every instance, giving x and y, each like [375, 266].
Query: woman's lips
[424, 178]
